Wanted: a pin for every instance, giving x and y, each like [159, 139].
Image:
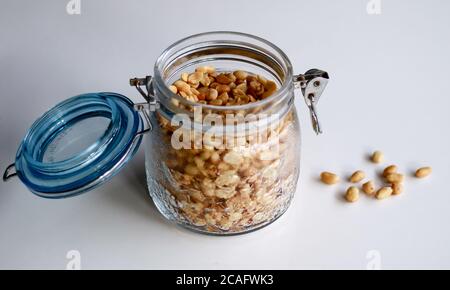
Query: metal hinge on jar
[148, 93]
[312, 83]
[150, 105]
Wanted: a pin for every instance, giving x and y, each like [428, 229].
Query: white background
[389, 90]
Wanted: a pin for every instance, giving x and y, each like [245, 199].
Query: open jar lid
[77, 145]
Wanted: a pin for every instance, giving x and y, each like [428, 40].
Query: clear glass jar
[243, 182]
[214, 169]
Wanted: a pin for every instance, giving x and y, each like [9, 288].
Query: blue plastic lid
[79, 144]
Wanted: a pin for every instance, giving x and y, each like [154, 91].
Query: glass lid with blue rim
[78, 145]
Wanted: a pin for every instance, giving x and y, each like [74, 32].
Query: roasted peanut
[182, 86]
[215, 157]
[357, 176]
[377, 157]
[216, 102]
[225, 193]
[224, 97]
[227, 178]
[397, 188]
[423, 172]
[173, 89]
[225, 79]
[389, 170]
[206, 154]
[369, 187]
[352, 194]
[395, 178]
[233, 158]
[223, 89]
[191, 169]
[241, 75]
[206, 81]
[329, 178]
[212, 95]
[205, 69]
[199, 162]
[195, 92]
[384, 193]
[270, 86]
[184, 77]
[195, 78]
[214, 85]
[196, 195]
[256, 88]
[241, 88]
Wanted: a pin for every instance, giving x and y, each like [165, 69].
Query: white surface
[389, 90]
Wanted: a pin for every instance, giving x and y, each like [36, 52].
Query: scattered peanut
[369, 188]
[390, 176]
[423, 172]
[384, 193]
[397, 188]
[395, 178]
[329, 178]
[388, 170]
[377, 157]
[352, 194]
[357, 176]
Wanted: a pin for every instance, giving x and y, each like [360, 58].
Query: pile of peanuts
[392, 179]
[233, 189]
[206, 86]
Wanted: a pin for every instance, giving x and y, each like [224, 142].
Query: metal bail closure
[143, 108]
[312, 84]
[8, 172]
[148, 94]
[151, 105]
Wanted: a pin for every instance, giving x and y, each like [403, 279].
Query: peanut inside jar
[206, 86]
[239, 180]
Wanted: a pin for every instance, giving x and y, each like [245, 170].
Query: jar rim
[282, 91]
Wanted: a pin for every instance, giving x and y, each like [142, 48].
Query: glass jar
[213, 169]
[247, 179]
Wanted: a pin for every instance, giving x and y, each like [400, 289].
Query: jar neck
[227, 51]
